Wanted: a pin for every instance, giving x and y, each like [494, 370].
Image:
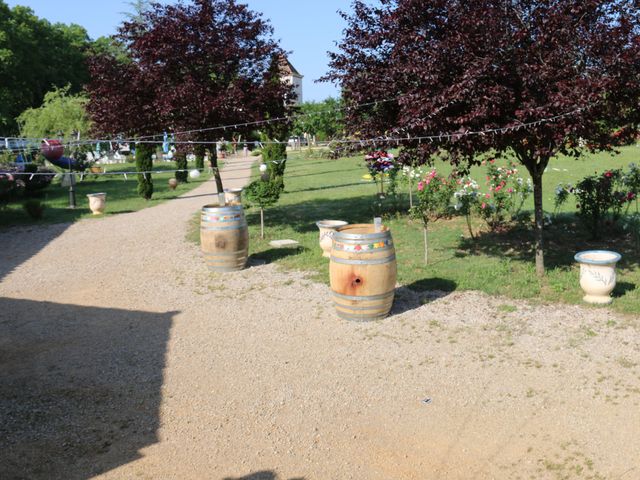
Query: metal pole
[72, 183]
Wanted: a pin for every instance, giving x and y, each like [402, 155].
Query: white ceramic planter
[327, 229]
[598, 274]
[97, 202]
[233, 196]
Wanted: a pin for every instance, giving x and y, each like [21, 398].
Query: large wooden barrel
[224, 237]
[363, 272]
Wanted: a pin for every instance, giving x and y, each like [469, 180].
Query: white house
[292, 77]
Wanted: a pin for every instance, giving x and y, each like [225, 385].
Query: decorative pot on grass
[327, 230]
[233, 196]
[173, 183]
[363, 272]
[97, 202]
[598, 274]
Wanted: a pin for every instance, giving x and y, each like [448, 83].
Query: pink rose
[420, 186]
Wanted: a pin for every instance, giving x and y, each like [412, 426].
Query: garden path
[121, 357]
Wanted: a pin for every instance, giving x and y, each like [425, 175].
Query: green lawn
[495, 263]
[122, 196]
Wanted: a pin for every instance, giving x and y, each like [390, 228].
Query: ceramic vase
[327, 229]
[233, 196]
[597, 274]
[97, 202]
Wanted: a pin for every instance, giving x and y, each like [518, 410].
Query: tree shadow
[419, 293]
[80, 387]
[622, 288]
[328, 172]
[19, 244]
[275, 254]
[563, 239]
[302, 216]
[327, 187]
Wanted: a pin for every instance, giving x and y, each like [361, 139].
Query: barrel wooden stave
[363, 272]
[224, 237]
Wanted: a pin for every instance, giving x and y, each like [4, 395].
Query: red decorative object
[52, 149]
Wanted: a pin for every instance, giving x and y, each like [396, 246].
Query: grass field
[122, 196]
[495, 263]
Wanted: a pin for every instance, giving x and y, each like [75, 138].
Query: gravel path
[122, 357]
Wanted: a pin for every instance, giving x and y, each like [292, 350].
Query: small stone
[284, 243]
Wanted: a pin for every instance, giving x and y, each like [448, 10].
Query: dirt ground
[122, 357]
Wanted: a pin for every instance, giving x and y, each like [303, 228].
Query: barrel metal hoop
[373, 261]
[222, 210]
[341, 307]
[366, 299]
[221, 218]
[362, 318]
[363, 237]
[219, 229]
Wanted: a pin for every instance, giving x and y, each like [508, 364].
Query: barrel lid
[361, 231]
[213, 208]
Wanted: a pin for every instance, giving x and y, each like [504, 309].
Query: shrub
[467, 199]
[506, 196]
[199, 151]
[34, 208]
[601, 199]
[631, 181]
[263, 194]
[631, 224]
[144, 163]
[181, 164]
[274, 155]
[434, 202]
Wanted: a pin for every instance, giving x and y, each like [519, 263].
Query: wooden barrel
[224, 237]
[363, 272]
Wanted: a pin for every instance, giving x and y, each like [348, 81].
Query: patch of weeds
[507, 308]
[625, 362]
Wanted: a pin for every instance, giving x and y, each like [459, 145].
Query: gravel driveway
[122, 357]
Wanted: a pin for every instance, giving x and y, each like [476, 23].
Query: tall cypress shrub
[144, 163]
[181, 164]
[274, 155]
[199, 151]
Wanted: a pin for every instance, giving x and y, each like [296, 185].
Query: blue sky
[307, 28]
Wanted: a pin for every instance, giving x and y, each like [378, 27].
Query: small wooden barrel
[363, 272]
[224, 237]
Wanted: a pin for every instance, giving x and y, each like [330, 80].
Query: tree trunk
[262, 223]
[468, 216]
[539, 217]
[426, 245]
[216, 171]
[410, 191]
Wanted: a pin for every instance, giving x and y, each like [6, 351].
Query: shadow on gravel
[274, 254]
[19, 244]
[80, 387]
[421, 292]
[264, 475]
